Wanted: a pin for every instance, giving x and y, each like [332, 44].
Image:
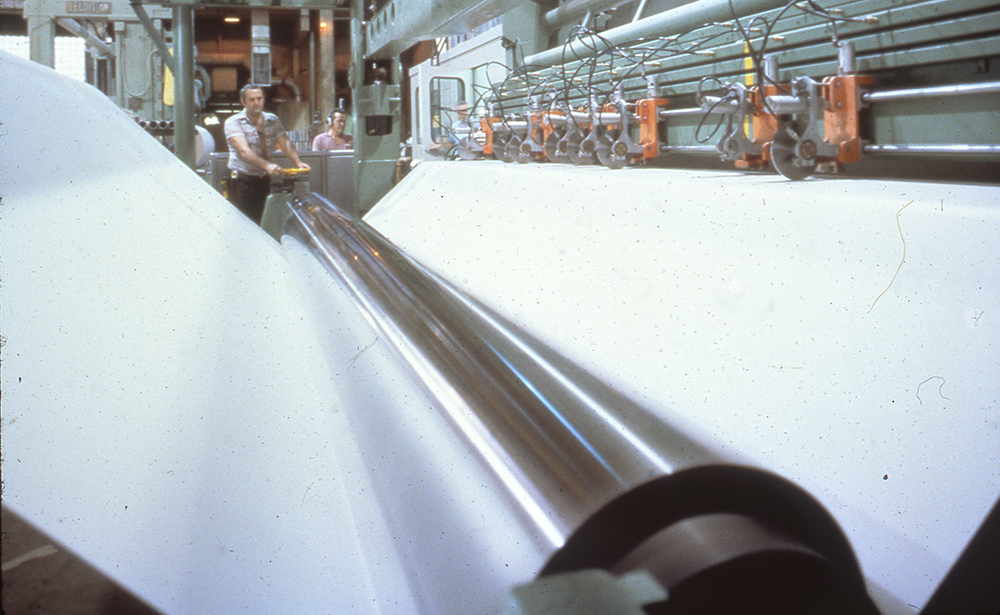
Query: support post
[326, 94]
[183, 16]
[42, 40]
[377, 112]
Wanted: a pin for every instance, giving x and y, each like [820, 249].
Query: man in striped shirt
[252, 135]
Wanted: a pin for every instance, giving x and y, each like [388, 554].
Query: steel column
[184, 84]
[326, 83]
[42, 40]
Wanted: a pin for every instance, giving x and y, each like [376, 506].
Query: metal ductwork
[294, 87]
[214, 58]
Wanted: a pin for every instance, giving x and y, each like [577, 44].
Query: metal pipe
[640, 11]
[688, 149]
[716, 104]
[120, 95]
[510, 125]
[76, 28]
[218, 58]
[846, 59]
[772, 69]
[206, 85]
[574, 9]
[154, 35]
[934, 149]
[675, 21]
[603, 118]
[784, 104]
[992, 87]
[665, 113]
[296, 91]
[364, 146]
[562, 447]
[314, 99]
[608, 484]
[184, 134]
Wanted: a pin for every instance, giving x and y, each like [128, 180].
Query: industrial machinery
[797, 85]
[295, 184]
[646, 378]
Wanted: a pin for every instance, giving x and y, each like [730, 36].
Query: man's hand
[275, 171]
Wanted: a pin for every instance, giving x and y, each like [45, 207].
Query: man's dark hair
[339, 110]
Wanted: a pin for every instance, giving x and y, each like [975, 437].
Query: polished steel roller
[607, 483]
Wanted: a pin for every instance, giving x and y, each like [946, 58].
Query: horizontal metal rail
[944, 149]
[922, 31]
[970, 89]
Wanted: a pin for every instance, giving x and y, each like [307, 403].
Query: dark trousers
[249, 193]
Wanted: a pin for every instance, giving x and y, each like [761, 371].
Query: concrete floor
[40, 576]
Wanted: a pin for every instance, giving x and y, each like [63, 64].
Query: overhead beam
[401, 23]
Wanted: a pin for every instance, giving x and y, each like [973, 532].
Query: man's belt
[246, 176]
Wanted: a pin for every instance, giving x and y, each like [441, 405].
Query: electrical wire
[594, 70]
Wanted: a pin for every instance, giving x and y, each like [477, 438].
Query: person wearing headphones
[334, 138]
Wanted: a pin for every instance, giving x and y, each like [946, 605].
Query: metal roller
[612, 152]
[608, 484]
[583, 150]
[500, 141]
[790, 154]
[468, 149]
[516, 150]
[555, 147]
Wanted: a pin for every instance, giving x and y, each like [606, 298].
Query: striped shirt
[239, 124]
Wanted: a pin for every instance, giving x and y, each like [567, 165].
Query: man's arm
[286, 146]
[246, 153]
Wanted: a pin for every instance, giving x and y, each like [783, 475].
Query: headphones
[329, 118]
